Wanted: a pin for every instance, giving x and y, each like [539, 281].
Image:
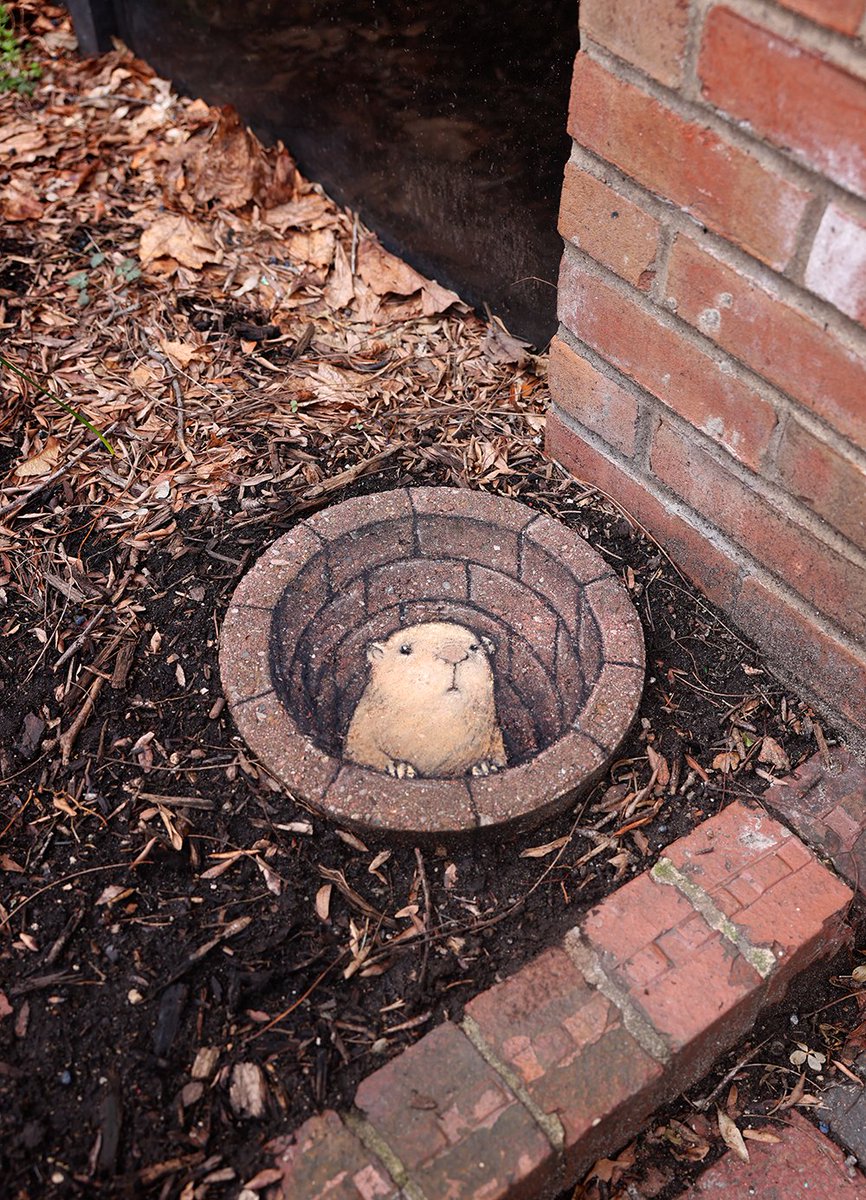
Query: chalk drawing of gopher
[428, 708]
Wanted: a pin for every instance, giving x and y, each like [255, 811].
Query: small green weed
[126, 271]
[41, 390]
[16, 75]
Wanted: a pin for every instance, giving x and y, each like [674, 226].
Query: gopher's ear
[375, 650]
[488, 644]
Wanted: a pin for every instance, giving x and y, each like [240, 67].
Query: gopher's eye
[474, 648]
[404, 649]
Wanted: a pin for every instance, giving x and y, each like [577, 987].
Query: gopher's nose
[452, 652]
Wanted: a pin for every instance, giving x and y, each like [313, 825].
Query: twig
[703, 1105]
[67, 740]
[300, 1000]
[178, 400]
[427, 914]
[79, 641]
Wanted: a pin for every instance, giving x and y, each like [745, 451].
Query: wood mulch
[191, 962]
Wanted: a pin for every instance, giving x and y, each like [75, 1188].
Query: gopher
[428, 708]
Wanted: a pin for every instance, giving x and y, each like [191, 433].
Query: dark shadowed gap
[443, 123]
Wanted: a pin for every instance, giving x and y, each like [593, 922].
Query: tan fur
[430, 711]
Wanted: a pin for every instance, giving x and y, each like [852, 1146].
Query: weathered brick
[322, 1160]
[651, 34]
[591, 398]
[778, 341]
[842, 15]
[826, 804]
[683, 161]
[608, 227]
[802, 1163]
[690, 983]
[809, 656]
[713, 571]
[770, 885]
[833, 584]
[789, 94]
[693, 383]
[454, 1124]
[567, 1045]
[832, 485]
[836, 269]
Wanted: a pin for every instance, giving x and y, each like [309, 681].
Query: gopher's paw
[486, 767]
[401, 770]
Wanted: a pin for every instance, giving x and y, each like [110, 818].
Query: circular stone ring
[555, 642]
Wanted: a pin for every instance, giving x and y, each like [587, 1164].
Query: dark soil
[124, 953]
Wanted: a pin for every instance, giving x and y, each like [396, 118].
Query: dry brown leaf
[19, 201]
[499, 346]
[731, 1135]
[340, 288]
[173, 240]
[727, 761]
[547, 848]
[312, 211]
[761, 1135]
[223, 163]
[659, 767]
[314, 247]
[41, 463]
[180, 353]
[383, 273]
[771, 752]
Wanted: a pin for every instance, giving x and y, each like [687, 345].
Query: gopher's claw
[401, 770]
[485, 767]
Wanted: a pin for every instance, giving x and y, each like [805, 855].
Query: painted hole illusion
[432, 663]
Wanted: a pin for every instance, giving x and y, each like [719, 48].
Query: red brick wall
[710, 369]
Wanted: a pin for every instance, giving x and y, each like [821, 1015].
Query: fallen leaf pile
[223, 322]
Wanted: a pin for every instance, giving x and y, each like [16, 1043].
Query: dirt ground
[190, 961]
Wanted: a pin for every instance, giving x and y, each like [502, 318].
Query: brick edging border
[568, 1058]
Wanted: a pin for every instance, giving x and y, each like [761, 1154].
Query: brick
[608, 227]
[695, 384]
[712, 179]
[803, 1163]
[695, 988]
[596, 401]
[713, 571]
[454, 1124]
[832, 485]
[836, 269]
[322, 1160]
[833, 584]
[826, 804]
[778, 341]
[789, 94]
[812, 658]
[796, 907]
[567, 1045]
[842, 15]
[415, 579]
[651, 34]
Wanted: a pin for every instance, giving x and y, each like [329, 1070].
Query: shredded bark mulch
[191, 962]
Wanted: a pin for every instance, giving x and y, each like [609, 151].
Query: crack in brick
[587, 962]
[761, 958]
[373, 1141]
[550, 1124]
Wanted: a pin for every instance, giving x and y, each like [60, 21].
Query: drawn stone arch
[556, 640]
